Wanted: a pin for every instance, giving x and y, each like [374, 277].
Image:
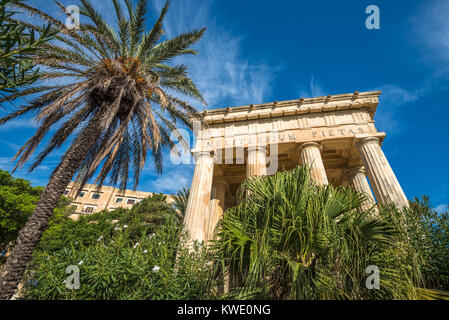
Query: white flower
[81, 262]
[152, 235]
[156, 269]
[137, 243]
[145, 251]
[125, 226]
[101, 237]
[116, 228]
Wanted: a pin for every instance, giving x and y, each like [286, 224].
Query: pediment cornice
[368, 100]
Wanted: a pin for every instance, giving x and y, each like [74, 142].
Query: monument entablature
[294, 121]
[334, 135]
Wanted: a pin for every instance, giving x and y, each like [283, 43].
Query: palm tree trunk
[30, 235]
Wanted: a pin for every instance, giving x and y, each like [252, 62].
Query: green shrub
[141, 219]
[17, 201]
[119, 268]
[429, 234]
[137, 253]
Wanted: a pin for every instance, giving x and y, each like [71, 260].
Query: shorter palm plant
[181, 199]
[292, 239]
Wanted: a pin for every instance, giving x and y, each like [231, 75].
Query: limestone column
[197, 211]
[311, 156]
[357, 179]
[256, 162]
[383, 180]
[216, 207]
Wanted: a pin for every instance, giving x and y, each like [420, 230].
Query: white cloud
[39, 177]
[431, 33]
[173, 179]
[223, 76]
[441, 208]
[314, 89]
[391, 105]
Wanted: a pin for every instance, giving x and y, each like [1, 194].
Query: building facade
[334, 135]
[91, 200]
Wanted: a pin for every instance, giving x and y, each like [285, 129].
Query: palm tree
[114, 93]
[181, 199]
[292, 239]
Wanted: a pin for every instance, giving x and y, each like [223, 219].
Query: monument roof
[356, 100]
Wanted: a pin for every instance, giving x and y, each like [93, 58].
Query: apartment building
[91, 200]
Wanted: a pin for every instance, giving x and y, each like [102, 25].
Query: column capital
[365, 140]
[257, 148]
[349, 172]
[200, 154]
[315, 144]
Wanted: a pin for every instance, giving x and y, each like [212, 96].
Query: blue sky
[261, 51]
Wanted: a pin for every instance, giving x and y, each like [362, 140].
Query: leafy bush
[429, 234]
[142, 218]
[123, 254]
[17, 201]
[120, 268]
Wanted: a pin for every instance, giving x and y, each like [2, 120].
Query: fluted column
[357, 179]
[256, 162]
[197, 210]
[311, 156]
[383, 180]
[216, 207]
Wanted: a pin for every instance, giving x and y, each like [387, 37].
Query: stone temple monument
[334, 135]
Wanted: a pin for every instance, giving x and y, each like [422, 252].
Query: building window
[66, 192]
[131, 201]
[96, 196]
[89, 209]
[118, 200]
[82, 193]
